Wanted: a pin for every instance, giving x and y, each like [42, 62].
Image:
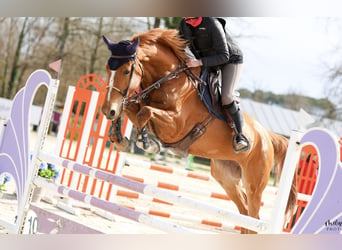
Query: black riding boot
[240, 143]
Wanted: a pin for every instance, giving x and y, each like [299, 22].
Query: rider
[208, 42]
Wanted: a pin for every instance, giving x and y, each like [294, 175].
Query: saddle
[210, 93]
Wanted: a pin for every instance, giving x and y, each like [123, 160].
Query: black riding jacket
[210, 43]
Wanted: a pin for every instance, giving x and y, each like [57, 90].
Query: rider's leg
[230, 77]
[234, 111]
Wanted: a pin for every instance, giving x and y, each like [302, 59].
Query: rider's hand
[193, 62]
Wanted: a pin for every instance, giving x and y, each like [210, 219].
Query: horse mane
[167, 37]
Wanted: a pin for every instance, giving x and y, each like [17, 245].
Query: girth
[182, 146]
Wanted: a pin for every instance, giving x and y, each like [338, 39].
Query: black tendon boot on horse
[240, 142]
[145, 143]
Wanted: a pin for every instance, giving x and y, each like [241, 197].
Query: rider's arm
[219, 44]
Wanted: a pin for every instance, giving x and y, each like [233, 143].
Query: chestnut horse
[150, 84]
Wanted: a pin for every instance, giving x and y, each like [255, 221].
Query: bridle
[111, 86]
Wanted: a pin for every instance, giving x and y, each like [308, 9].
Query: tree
[20, 52]
[6, 51]
[36, 32]
[98, 39]
[172, 22]
[334, 90]
[333, 65]
[15, 67]
[27, 44]
[157, 22]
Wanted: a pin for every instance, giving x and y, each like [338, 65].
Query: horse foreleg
[158, 116]
[121, 143]
[144, 115]
[147, 144]
[228, 175]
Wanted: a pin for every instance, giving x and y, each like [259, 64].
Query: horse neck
[157, 61]
[181, 85]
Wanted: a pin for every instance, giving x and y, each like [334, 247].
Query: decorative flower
[3, 180]
[48, 171]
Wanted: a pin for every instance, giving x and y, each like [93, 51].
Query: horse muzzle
[111, 115]
[112, 112]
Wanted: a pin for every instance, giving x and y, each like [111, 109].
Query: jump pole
[186, 218]
[238, 219]
[202, 177]
[188, 190]
[168, 169]
[112, 207]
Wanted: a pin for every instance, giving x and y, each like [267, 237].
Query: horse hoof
[123, 146]
[153, 146]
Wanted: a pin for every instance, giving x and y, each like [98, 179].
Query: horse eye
[126, 72]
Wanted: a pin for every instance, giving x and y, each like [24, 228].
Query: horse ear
[133, 47]
[107, 41]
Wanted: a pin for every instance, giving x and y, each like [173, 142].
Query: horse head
[123, 79]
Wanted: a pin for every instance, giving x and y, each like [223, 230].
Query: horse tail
[280, 144]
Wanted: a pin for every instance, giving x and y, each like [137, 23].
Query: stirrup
[243, 149]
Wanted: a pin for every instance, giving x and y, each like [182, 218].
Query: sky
[286, 55]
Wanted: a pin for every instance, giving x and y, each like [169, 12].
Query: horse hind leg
[228, 175]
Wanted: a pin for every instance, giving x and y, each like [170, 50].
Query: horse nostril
[112, 113]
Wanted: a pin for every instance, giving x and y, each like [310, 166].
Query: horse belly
[215, 143]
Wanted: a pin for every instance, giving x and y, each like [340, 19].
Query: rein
[136, 98]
